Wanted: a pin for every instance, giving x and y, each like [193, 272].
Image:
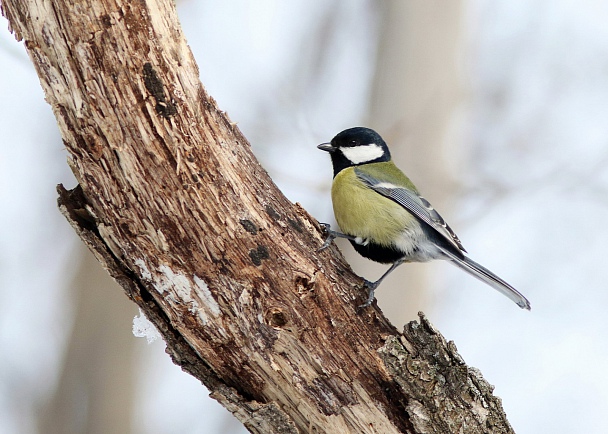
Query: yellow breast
[361, 212]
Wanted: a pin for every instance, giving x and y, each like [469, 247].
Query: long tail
[485, 275]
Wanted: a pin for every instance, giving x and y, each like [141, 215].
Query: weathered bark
[175, 206]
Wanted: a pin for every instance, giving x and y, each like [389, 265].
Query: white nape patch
[362, 154]
[143, 328]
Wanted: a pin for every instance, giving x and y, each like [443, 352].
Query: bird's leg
[331, 235]
[373, 285]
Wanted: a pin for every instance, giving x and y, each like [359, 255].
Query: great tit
[384, 217]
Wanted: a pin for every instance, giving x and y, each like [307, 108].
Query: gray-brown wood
[175, 206]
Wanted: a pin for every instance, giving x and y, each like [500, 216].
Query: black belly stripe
[378, 253]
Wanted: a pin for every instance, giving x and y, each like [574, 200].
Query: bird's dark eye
[353, 143]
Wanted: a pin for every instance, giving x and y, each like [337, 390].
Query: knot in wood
[276, 317]
[259, 254]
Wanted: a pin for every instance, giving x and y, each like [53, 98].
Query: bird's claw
[371, 286]
[330, 236]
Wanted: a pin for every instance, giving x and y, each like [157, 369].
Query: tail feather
[486, 276]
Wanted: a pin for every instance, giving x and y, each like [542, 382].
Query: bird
[382, 214]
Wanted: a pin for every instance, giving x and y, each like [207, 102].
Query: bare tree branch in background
[175, 206]
[416, 95]
[95, 392]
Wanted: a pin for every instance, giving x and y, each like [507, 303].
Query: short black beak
[326, 147]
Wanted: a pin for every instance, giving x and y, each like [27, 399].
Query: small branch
[445, 395]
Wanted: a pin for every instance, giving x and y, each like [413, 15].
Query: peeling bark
[174, 205]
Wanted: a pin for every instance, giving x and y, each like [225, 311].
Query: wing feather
[414, 203]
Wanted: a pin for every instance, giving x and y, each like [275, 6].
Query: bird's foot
[331, 235]
[371, 286]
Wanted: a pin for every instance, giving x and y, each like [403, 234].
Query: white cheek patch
[362, 154]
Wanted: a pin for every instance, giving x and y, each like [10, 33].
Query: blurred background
[497, 110]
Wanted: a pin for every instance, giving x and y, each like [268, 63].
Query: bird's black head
[354, 147]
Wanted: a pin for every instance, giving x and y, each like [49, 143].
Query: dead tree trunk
[175, 206]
